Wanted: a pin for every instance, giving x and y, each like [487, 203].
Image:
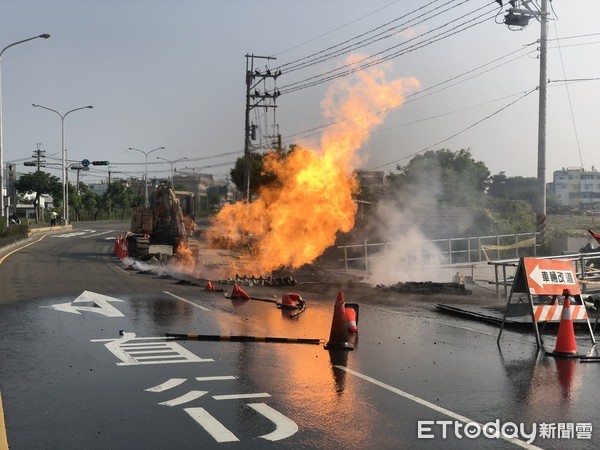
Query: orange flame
[295, 220]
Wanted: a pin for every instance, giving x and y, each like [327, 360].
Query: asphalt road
[84, 363]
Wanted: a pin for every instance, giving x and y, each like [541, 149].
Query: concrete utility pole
[255, 98]
[518, 16]
[541, 200]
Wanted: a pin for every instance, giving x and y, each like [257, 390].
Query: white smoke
[409, 255]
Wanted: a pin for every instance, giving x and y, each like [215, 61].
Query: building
[577, 188]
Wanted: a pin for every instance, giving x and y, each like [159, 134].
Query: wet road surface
[84, 364]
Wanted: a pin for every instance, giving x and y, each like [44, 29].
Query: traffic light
[100, 163]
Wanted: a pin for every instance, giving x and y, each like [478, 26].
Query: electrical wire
[385, 34]
[429, 90]
[355, 67]
[562, 63]
[339, 28]
[457, 133]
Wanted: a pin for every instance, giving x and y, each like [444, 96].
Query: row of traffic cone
[345, 315]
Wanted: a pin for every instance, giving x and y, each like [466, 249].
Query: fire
[293, 221]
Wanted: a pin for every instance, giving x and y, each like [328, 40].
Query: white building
[578, 188]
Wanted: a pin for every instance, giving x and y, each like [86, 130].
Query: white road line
[217, 378]
[185, 398]
[430, 405]
[240, 396]
[211, 425]
[98, 234]
[187, 301]
[169, 384]
[284, 427]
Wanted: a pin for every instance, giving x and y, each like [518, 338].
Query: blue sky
[171, 73]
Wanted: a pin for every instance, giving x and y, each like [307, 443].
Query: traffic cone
[238, 293]
[290, 301]
[116, 246]
[565, 340]
[351, 312]
[338, 337]
[124, 249]
[120, 247]
[209, 286]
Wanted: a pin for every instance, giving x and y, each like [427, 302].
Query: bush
[13, 231]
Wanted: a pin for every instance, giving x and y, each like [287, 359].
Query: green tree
[514, 188]
[441, 178]
[258, 176]
[121, 196]
[39, 183]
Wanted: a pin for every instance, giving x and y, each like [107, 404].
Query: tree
[258, 177]
[514, 188]
[39, 183]
[441, 178]
[121, 196]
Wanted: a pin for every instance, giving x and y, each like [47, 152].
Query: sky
[171, 73]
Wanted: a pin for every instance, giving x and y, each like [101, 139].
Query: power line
[458, 133]
[355, 67]
[339, 28]
[428, 91]
[322, 56]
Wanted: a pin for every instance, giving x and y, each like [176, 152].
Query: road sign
[85, 163]
[544, 279]
[550, 276]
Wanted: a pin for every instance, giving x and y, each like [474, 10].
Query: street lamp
[172, 170]
[43, 36]
[146, 204]
[64, 163]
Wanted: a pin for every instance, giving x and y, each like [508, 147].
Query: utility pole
[541, 198]
[256, 99]
[38, 155]
[518, 16]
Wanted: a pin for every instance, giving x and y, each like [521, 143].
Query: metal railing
[587, 271]
[452, 251]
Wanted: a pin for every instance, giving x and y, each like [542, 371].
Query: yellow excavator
[168, 221]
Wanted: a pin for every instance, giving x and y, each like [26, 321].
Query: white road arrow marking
[100, 306]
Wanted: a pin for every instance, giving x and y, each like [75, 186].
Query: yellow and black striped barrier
[212, 337]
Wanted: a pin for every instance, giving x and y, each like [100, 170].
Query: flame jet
[294, 220]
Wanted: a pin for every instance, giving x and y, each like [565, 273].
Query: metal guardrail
[453, 250]
[587, 271]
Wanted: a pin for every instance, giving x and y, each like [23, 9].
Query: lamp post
[146, 171]
[63, 150]
[43, 36]
[172, 170]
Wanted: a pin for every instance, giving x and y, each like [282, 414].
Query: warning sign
[549, 276]
[546, 280]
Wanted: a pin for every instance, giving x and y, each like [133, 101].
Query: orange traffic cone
[238, 293]
[351, 311]
[116, 246]
[290, 301]
[338, 338]
[565, 341]
[209, 286]
[124, 248]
